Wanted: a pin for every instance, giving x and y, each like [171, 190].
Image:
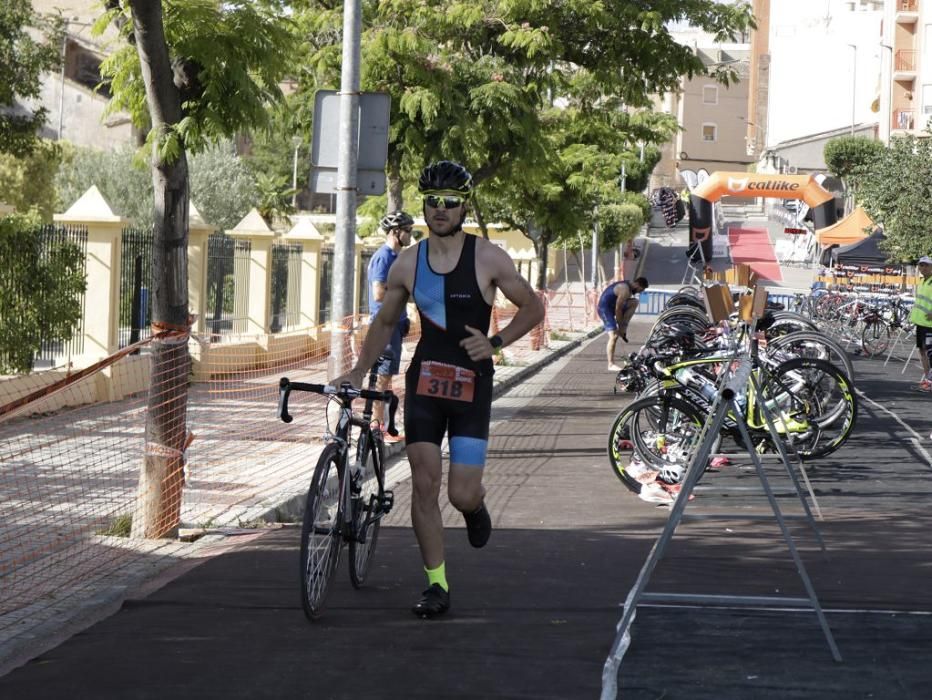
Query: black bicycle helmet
[397, 219]
[445, 177]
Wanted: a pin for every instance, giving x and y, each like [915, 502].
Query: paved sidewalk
[534, 613]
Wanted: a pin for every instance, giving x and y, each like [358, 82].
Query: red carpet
[752, 247]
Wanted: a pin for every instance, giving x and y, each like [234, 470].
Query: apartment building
[75, 102]
[905, 100]
[711, 116]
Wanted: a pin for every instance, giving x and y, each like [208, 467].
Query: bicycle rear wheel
[368, 491]
[321, 532]
[875, 338]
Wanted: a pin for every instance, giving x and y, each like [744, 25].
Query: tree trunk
[480, 219]
[395, 188]
[542, 248]
[158, 501]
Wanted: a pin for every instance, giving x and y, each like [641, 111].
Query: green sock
[438, 575]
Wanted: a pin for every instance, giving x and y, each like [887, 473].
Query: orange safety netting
[97, 468]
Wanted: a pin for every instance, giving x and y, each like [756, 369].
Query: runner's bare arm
[518, 291]
[382, 326]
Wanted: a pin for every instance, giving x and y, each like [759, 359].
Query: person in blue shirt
[617, 305]
[397, 227]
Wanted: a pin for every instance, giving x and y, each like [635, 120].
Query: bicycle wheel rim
[618, 455]
[665, 430]
[825, 399]
[321, 536]
[372, 486]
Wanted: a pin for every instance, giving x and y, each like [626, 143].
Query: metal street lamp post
[854, 83]
[296, 142]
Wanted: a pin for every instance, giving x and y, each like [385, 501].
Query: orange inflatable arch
[721, 184]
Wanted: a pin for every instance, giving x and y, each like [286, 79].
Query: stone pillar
[305, 233]
[198, 233]
[104, 250]
[254, 229]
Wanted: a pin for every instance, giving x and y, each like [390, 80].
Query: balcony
[904, 119]
[904, 61]
[907, 11]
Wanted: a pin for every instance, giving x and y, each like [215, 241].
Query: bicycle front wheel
[321, 532]
[368, 491]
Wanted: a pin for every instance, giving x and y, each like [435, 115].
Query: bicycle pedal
[386, 502]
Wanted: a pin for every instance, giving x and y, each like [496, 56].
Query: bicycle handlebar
[346, 392]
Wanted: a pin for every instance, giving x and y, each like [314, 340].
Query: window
[710, 95]
[709, 133]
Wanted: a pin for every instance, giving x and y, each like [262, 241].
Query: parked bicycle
[347, 499]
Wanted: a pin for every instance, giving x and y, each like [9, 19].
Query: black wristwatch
[496, 341]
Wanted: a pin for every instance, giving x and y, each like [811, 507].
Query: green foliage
[23, 60]
[28, 181]
[897, 192]
[471, 80]
[123, 181]
[222, 187]
[274, 197]
[39, 291]
[120, 526]
[228, 57]
[851, 157]
[272, 149]
[618, 223]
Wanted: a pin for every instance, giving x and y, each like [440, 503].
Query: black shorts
[924, 338]
[428, 419]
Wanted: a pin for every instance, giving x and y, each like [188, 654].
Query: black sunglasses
[448, 202]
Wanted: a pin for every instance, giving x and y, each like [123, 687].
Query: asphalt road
[534, 613]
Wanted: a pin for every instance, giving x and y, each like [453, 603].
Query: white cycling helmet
[397, 219]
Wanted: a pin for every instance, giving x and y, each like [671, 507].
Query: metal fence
[652, 303]
[227, 284]
[135, 284]
[54, 351]
[285, 295]
[326, 286]
[362, 275]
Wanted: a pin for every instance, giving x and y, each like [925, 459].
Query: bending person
[617, 305]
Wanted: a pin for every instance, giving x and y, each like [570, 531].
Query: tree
[39, 290]
[122, 178]
[23, 59]
[469, 79]
[28, 181]
[222, 186]
[897, 193]
[851, 158]
[191, 72]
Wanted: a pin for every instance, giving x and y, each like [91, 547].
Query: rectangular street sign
[374, 111]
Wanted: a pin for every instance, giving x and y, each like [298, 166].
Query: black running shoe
[478, 526]
[435, 601]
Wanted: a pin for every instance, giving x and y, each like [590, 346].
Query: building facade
[711, 119]
[822, 62]
[905, 100]
[74, 98]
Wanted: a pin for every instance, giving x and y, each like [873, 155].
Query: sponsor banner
[870, 269]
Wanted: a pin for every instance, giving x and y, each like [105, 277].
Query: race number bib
[443, 381]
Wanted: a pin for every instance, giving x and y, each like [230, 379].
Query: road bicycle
[346, 500]
[811, 401]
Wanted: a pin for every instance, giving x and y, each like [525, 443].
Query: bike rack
[729, 387]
